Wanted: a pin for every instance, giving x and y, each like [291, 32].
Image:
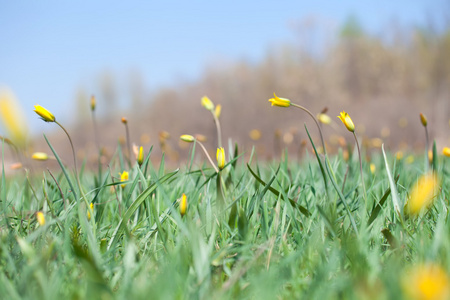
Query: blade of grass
[341, 196]
[376, 210]
[395, 198]
[120, 228]
[62, 168]
[302, 209]
[318, 159]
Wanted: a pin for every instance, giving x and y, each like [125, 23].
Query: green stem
[315, 120]
[128, 144]
[75, 163]
[219, 130]
[360, 169]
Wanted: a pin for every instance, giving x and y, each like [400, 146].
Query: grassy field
[244, 229]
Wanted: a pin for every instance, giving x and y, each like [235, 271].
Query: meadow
[351, 225]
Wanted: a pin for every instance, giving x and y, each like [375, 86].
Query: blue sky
[49, 49]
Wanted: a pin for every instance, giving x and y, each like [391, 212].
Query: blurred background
[383, 62]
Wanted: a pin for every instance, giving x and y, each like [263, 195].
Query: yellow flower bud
[282, 102]
[324, 118]
[423, 193]
[44, 114]
[423, 120]
[88, 212]
[345, 118]
[218, 110]
[183, 205]
[39, 156]
[140, 158]
[373, 168]
[93, 103]
[123, 177]
[40, 218]
[446, 151]
[207, 103]
[220, 155]
[124, 120]
[255, 134]
[187, 138]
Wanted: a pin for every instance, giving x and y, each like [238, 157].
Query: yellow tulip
[426, 282]
[423, 193]
[123, 177]
[140, 158]
[39, 156]
[44, 114]
[207, 103]
[13, 118]
[373, 168]
[187, 138]
[93, 103]
[345, 118]
[324, 118]
[88, 212]
[423, 120]
[218, 110]
[282, 102]
[446, 151]
[40, 218]
[183, 205]
[220, 155]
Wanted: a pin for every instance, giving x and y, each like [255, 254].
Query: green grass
[279, 230]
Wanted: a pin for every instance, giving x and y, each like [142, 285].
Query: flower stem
[426, 150]
[74, 161]
[219, 130]
[361, 170]
[128, 144]
[207, 155]
[317, 124]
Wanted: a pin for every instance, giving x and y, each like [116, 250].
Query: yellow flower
[40, 218]
[255, 134]
[423, 193]
[44, 114]
[39, 156]
[207, 103]
[423, 120]
[88, 212]
[426, 282]
[13, 118]
[373, 168]
[324, 118]
[93, 103]
[140, 158]
[187, 138]
[410, 159]
[345, 118]
[446, 151]
[124, 120]
[220, 157]
[183, 205]
[218, 110]
[282, 102]
[123, 177]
